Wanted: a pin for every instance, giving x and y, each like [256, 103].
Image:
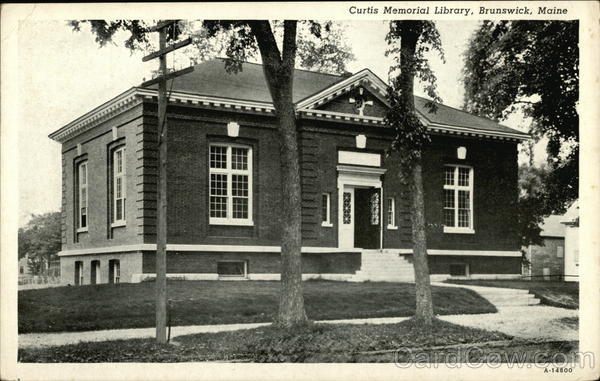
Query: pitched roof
[571, 216]
[454, 117]
[211, 79]
[552, 227]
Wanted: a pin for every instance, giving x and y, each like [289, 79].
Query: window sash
[391, 217]
[455, 208]
[119, 185]
[325, 209]
[83, 195]
[231, 202]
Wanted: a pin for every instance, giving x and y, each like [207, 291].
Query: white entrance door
[346, 232]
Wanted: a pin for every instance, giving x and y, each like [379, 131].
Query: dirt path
[539, 322]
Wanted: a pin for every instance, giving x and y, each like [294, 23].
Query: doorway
[95, 272]
[367, 218]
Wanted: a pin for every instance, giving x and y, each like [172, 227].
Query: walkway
[529, 322]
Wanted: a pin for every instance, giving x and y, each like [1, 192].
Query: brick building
[224, 184]
[547, 260]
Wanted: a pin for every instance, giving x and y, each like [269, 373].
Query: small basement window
[459, 269]
[232, 269]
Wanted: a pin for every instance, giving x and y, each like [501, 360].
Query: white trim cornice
[305, 108]
[277, 249]
[206, 248]
[87, 121]
[136, 95]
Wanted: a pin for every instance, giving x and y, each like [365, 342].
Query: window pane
[119, 186]
[448, 198]
[218, 157]
[239, 185]
[119, 161]
[218, 184]
[239, 158]
[449, 176]
[464, 200]
[324, 207]
[83, 174]
[391, 218]
[374, 201]
[463, 177]
[218, 207]
[240, 207]
[119, 210]
[449, 217]
[230, 268]
[347, 208]
[463, 218]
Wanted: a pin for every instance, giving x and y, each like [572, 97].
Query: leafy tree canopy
[40, 239]
[321, 46]
[410, 134]
[532, 66]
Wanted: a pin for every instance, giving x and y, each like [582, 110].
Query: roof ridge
[259, 64]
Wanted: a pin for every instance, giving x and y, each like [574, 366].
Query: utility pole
[161, 234]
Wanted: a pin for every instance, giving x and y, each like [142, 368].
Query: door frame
[351, 176]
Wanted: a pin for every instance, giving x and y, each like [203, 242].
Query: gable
[358, 100]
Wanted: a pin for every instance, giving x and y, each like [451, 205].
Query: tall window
[458, 199]
[119, 186]
[78, 273]
[230, 173]
[82, 208]
[114, 271]
[391, 213]
[326, 210]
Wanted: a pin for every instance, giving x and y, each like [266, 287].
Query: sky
[63, 74]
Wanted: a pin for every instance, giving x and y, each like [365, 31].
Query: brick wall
[192, 129]
[96, 148]
[258, 263]
[130, 263]
[440, 264]
[546, 257]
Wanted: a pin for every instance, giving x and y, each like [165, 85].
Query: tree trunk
[279, 73]
[424, 303]
[424, 308]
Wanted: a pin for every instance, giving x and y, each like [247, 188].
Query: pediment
[359, 100]
[362, 94]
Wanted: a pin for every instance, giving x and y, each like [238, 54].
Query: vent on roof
[346, 74]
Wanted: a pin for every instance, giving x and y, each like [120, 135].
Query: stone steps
[377, 266]
[500, 297]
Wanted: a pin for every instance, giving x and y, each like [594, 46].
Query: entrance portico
[360, 208]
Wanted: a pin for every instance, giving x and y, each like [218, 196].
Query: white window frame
[456, 229]
[116, 271]
[326, 223]
[119, 175]
[229, 172]
[391, 201]
[81, 185]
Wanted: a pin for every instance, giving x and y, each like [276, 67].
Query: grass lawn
[110, 306]
[551, 293]
[311, 343]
